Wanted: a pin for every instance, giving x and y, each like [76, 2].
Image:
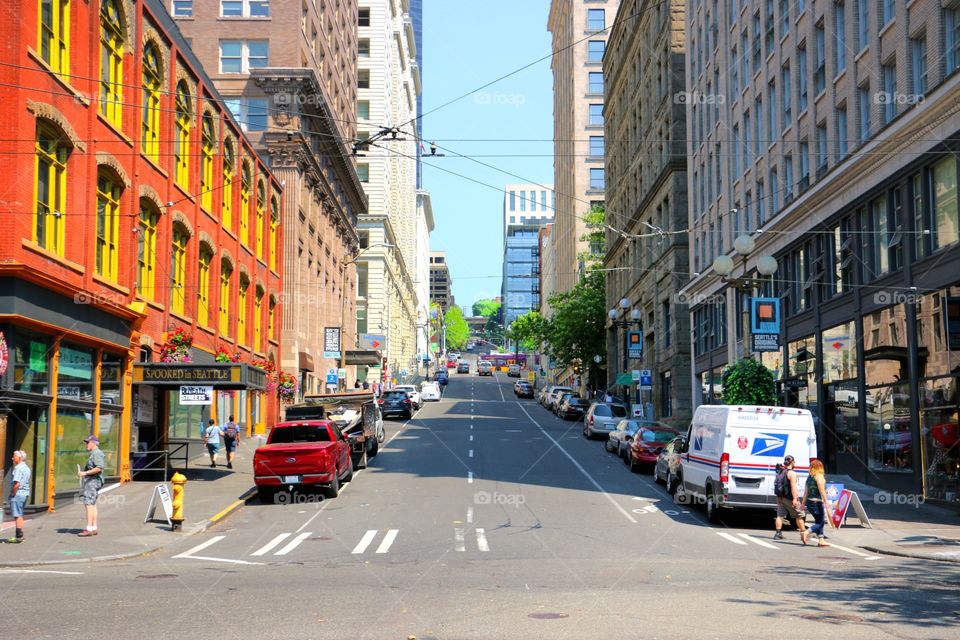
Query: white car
[413, 393]
[430, 391]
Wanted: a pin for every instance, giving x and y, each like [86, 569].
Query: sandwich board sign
[846, 500]
[160, 497]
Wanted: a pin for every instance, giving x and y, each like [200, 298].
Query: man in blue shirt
[211, 438]
[19, 491]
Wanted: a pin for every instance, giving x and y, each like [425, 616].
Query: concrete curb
[206, 524]
[904, 554]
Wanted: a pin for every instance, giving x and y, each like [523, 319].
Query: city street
[487, 517]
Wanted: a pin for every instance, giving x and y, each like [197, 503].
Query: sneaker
[778, 535]
[229, 465]
[13, 540]
[213, 465]
[86, 533]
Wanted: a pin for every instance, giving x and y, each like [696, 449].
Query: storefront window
[31, 364]
[840, 353]
[885, 346]
[842, 399]
[940, 424]
[801, 383]
[717, 378]
[72, 427]
[109, 430]
[75, 373]
[111, 377]
[938, 333]
[889, 433]
[185, 421]
[773, 360]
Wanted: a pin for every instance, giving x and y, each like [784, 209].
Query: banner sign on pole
[196, 395]
[634, 344]
[332, 376]
[765, 324]
[331, 339]
[646, 380]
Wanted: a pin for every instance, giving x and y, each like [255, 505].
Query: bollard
[178, 481]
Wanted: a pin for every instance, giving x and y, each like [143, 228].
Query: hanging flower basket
[222, 355]
[286, 387]
[271, 369]
[177, 346]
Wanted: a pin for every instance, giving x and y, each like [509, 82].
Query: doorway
[28, 430]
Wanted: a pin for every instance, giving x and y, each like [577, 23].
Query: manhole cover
[548, 616]
[152, 576]
[832, 618]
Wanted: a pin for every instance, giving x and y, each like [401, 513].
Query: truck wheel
[373, 448]
[334, 490]
[713, 511]
[679, 492]
[349, 475]
[265, 494]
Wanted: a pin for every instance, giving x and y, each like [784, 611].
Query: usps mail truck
[731, 455]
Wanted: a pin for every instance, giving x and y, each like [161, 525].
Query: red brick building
[133, 206]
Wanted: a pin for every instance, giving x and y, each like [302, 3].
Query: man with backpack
[788, 498]
[231, 438]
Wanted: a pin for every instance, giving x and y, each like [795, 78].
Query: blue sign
[332, 355]
[765, 315]
[646, 378]
[634, 344]
[770, 445]
[332, 376]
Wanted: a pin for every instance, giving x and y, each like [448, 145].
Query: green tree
[485, 308]
[577, 332]
[457, 330]
[530, 329]
[595, 238]
[749, 382]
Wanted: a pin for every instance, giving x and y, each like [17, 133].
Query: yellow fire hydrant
[178, 481]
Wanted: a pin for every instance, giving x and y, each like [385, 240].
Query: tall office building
[833, 127]
[416, 15]
[288, 71]
[526, 209]
[441, 284]
[578, 100]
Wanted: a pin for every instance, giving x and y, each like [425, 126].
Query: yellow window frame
[53, 34]
[111, 62]
[224, 324]
[50, 190]
[261, 217]
[203, 288]
[147, 250]
[242, 311]
[274, 223]
[208, 143]
[271, 320]
[178, 270]
[229, 167]
[246, 179]
[108, 226]
[181, 137]
[152, 80]
[257, 319]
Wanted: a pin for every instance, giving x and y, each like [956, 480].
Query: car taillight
[380, 401]
[591, 421]
[406, 401]
[725, 468]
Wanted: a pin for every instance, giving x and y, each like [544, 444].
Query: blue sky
[466, 45]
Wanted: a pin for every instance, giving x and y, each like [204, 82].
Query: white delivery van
[731, 455]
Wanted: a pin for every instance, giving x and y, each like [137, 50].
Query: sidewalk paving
[210, 495]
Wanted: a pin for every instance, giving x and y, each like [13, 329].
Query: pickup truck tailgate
[293, 459]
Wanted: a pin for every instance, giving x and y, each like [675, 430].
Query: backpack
[781, 484]
[230, 431]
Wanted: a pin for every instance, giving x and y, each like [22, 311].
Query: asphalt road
[487, 517]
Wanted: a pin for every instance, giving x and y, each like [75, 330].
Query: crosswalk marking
[265, 549]
[482, 540]
[365, 541]
[731, 538]
[388, 540]
[459, 539]
[855, 552]
[200, 547]
[293, 544]
[762, 543]
[740, 537]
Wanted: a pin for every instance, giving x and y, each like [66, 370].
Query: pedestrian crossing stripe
[370, 536]
[739, 539]
[460, 540]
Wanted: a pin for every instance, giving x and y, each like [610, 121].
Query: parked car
[463, 367]
[430, 391]
[620, 437]
[396, 402]
[302, 454]
[413, 392]
[603, 418]
[442, 378]
[559, 400]
[484, 368]
[523, 389]
[668, 463]
[647, 443]
[572, 408]
[544, 392]
[513, 371]
[555, 395]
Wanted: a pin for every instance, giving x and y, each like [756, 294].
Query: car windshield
[288, 434]
[395, 395]
[657, 435]
[407, 387]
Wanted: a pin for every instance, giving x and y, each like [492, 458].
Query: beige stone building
[288, 71]
[646, 194]
[578, 101]
[827, 132]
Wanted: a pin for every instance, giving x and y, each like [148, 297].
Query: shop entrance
[27, 430]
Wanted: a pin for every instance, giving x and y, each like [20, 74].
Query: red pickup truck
[302, 454]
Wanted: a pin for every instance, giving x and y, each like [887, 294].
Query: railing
[144, 460]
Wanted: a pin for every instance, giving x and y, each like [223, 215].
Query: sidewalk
[210, 495]
[917, 530]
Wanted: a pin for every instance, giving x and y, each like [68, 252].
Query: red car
[647, 443]
[451, 364]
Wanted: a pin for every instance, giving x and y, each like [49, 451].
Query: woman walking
[815, 502]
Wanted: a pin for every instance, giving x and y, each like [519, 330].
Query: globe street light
[628, 319]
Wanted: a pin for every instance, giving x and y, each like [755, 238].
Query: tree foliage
[486, 308]
[457, 330]
[595, 238]
[530, 330]
[576, 332]
[749, 382]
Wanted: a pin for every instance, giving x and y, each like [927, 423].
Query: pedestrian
[816, 503]
[92, 479]
[607, 397]
[356, 383]
[211, 438]
[19, 492]
[366, 385]
[788, 498]
[231, 439]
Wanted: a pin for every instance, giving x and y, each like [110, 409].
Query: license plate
[291, 479]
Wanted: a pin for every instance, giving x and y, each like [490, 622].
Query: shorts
[785, 509]
[16, 505]
[230, 444]
[90, 491]
[212, 449]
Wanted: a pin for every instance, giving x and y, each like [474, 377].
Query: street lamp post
[723, 266]
[625, 323]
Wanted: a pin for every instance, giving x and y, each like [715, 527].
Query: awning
[235, 376]
[306, 361]
[369, 358]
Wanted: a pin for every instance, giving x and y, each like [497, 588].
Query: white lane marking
[227, 560]
[265, 549]
[470, 515]
[470, 453]
[469, 477]
[762, 543]
[731, 538]
[471, 438]
[856, 552]
[458, 537]
[293, 544]
[388, 540]
[579, 466]
[365, 541]
[500, 387]
[482, 540]
[200, 547]
[59, 573]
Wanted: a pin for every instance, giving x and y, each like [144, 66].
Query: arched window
[271, 319]
[261, 217]
[147, 248]
[108, 225]
[152, 81]
[246, 180]
[111, 62]
[49, 224]
[208, 144]
[203, 288]
[258, 319]
[229, 168]
[242, 310]
[54, 30]
[181, 136]
[178, 269]
[274, 224]
[226, 271]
